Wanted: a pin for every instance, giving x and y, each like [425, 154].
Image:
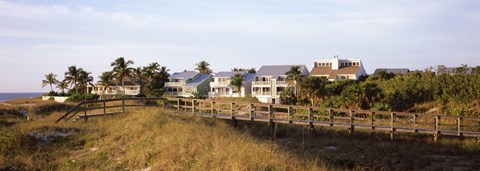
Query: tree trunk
[51, 89]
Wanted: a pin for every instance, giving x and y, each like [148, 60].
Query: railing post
[331, 119]
[104, 107]
[193, 106]
[232, 105]
[164, 103]
[352, 126]
[415, 118]
[212, 108]
[459, 126]
[290, 115]
[392, 126]
[178, 104]
[372, 120]
[310, 119]
[85, 111]
[252, 110]
[123, 104]
[437, 129]
[144, 102]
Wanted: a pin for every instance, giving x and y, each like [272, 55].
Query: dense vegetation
[455, 94]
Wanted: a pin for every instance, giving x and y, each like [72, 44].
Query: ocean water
[11, 96]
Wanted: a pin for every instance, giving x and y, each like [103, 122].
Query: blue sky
[38, 37]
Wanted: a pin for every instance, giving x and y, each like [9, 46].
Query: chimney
[335, 62]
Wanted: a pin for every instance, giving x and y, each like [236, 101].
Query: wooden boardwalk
[391, 122]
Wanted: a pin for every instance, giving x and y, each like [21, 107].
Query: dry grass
[150, 138]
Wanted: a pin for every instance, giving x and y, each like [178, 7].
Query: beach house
[220, 85]
[338, 69]
[116, 88]
[270, 81]
[187, 84]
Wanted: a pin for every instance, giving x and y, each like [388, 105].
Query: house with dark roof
[220, 85]
[454, 70]
[338, 69]
[270, 81]
[392, 70]
[185, 84]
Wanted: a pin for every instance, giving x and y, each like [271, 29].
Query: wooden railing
[392, 122]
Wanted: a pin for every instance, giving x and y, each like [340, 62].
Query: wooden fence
[391, 122]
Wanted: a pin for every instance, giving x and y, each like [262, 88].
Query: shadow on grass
[367, 150]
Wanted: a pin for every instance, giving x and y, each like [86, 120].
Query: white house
[116, 88]
[184, 84]
[338, 69]
[270, 81]
[220, 85]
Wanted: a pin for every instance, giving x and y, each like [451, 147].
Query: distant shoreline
[11, 96]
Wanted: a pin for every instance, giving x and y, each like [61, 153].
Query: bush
[52, 93]
[82, 97]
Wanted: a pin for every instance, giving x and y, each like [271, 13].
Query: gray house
[184, 84]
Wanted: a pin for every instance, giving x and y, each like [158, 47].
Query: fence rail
[391, 122]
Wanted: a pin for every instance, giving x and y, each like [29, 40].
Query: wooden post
[85, 111]
[372, 120]
[193, 106]
[331, 119]
[270, 113]
[123, 104]
[437, 129]
[289, 116]
[459, 126]
[212, 108]
[164, 103]
[352, 126]
[310, 119]
[232, 105]
[392, 126]
[144, 102]
[415, 118]
[104, 107]
[178, 104]
[252, 110]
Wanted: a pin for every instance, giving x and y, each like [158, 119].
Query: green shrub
[82, 97]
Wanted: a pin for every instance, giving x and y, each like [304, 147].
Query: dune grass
[146, 138]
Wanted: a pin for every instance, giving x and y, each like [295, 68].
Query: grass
[167, 140]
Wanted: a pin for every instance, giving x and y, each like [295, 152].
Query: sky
[40, 37]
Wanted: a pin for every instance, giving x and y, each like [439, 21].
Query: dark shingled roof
[183, 75]
[333, 73]
[277, 70]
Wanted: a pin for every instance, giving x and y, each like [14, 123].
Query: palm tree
[294, 75]
[203, 67]
[237, 81]
[62, 85]
[141, 76]
[84, 79]
[106, 79]
[121, 70]
[72, 76]
[151, 70]
[313, 87]
[50, 79]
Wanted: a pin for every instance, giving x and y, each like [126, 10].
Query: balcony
[261, 82]
[174, 84]
[261, 93]
[220, 84]
[282, 83]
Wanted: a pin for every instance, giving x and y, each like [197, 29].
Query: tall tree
[62, 85]
[237, 82]
[50, 79]
[84, 79]
[203, 67]
[293, 78]
[122, 69]
[313, 88]
[106, 79]
[141, 76]
[72, 76]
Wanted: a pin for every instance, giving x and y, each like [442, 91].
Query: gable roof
[198, 80]
[278, 70]
[392, 70]
[333, 73]
[228, 74]
[183, 75]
